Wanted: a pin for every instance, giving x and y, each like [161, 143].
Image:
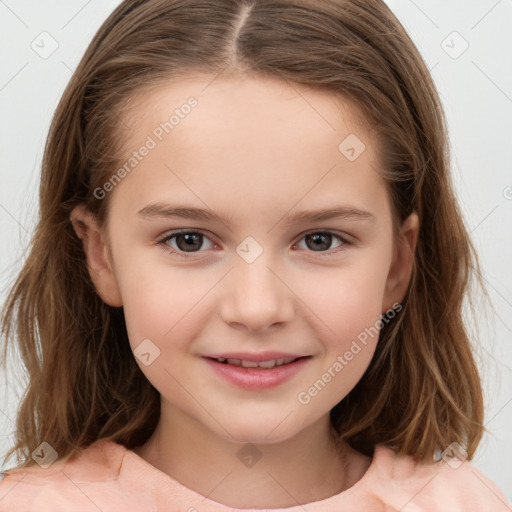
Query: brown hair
[421, 391]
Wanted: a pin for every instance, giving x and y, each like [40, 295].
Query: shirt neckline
[130, 458]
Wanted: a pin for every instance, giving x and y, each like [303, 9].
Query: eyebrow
[191, 213]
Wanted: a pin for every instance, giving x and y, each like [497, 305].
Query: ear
[401, 267]
[97, 254]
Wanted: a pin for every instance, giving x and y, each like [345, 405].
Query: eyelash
[163, 242]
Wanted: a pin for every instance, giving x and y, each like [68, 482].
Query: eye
[191, 241]
[320, 241]
[185, 241]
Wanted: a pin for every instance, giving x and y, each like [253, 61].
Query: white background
[476, 91]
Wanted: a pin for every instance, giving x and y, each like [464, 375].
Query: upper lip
[257, 357]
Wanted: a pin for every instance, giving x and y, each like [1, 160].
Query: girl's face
[239, 167]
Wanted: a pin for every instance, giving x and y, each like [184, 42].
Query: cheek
[163, 318]
[347, 312]
[159, 303]
[347, 299]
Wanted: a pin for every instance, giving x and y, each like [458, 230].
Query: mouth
[267, 365]
[257, 375]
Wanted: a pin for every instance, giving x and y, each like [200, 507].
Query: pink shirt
[107, 477]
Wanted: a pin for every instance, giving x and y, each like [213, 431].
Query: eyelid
[341, 234]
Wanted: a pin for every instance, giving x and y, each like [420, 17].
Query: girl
[245, 287]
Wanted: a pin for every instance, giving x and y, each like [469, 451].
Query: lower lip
[257, 378]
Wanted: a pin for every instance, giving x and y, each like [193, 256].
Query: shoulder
[63, 483]
[451, 485]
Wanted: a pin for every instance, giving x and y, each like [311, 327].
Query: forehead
[262, 137]
[223, 104]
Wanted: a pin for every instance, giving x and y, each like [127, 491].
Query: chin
[260, 433]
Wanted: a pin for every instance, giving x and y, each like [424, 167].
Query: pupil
[318, 237]
[191, 241]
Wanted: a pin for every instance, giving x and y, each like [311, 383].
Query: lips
[256, 375]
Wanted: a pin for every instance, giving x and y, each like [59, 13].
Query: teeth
[255, 364]
[267, 364]
[250, 364]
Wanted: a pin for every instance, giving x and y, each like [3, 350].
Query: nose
[256, 296]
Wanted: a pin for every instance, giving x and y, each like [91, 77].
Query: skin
[253, 149]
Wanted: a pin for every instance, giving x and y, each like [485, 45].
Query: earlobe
[401, 268]
[96, 252]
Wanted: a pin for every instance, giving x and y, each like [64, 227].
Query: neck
[309, 467]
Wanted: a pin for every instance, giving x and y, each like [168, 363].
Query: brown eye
[185, 241]
[321, 241]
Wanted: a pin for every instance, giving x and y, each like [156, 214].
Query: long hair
[421, 391]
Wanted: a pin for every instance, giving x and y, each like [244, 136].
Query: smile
[253, 364]
[256, 375]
